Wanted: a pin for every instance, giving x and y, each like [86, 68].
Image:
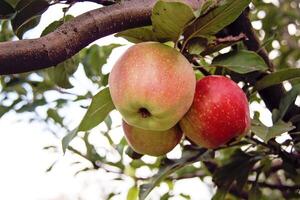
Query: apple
[152, 85]
[219, 113]
[153, 143]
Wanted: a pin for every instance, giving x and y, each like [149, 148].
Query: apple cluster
[154, 88]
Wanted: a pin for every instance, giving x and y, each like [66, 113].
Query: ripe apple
[219, 112]
[152, 85]
[154, 143]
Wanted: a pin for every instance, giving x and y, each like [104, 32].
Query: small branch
[230, 38]
[101, 2]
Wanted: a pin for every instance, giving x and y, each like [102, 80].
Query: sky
[23, 161]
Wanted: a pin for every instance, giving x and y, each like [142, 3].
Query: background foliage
[256, 167]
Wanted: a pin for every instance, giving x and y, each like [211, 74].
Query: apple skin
[153, 143]
[219, 113]
[152, 85]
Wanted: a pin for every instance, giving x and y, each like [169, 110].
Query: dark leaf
[28, 15]
[236, 169]
[6, 10]
[287, 101]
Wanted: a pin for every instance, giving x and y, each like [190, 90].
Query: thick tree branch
[71, 37]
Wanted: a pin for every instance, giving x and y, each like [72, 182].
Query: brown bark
[74, 35]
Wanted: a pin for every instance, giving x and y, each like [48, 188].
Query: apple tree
[254, 43]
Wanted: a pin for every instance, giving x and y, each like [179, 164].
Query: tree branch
[74, 35]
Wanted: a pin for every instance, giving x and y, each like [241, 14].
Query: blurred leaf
[51, 166]
[241, 62]
[163, 15]
[59, 75]
[255, 192]
[236, 169]
[28, 15]
[68, 138]
[132, 154]
[53, 114]
[108, 122]
[168, 167]
[287, 101]
[133, 193]
[32, 106]
[5, 109]
[276, 78]
[93, 60]
[267, 133]
[6, 10]
[216, 19]
[100, 106]
[136, 35]
[187, 197]
[82, 170]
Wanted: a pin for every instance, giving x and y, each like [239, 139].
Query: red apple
[154, 143]
[219, 112]
[152, 85]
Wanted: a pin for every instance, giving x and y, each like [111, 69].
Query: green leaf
[100, 106]
[163, 15]
[168, 167]
[267, 133]
[216, 19]
[132, 193]
[136, 35]
[98, 110]
[206, 7]
[241, 62]
[28, 16]
[54, 25]
[276, 78]
[93, 60]
[6, 10]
